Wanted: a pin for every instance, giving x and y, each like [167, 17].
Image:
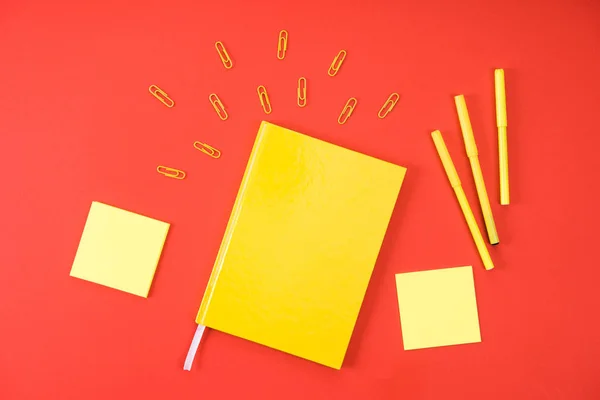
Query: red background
[77, 124]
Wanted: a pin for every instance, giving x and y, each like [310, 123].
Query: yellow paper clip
[389, 105]
[264, 99]
[337, 63]
[282, 44]
[218, 106]
[225, 59]
[206, 149]
[347, 110]
[301, 91]
[161, 95]
[170, 172]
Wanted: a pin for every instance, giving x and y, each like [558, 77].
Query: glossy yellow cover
[300, 245]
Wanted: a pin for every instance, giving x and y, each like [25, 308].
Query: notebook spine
[237, 206]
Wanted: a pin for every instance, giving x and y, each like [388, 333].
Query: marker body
[503, 156]
[502, 123]
[472, 153]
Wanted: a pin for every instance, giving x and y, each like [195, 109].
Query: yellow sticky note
[119, 249]
[438, 308]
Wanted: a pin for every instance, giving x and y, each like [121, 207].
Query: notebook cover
[300, 245]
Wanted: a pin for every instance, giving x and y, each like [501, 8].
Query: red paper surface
[77, 124]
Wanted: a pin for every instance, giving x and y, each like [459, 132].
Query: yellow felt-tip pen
[471, 147]
[442, 150]
[502, 141]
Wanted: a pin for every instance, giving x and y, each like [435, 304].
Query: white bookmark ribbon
[189, 359]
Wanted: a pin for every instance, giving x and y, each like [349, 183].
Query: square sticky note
[119, 249]
[438, 308]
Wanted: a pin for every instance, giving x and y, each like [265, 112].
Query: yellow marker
[263, 96]
[337, 63]
[502, 145]
[170, 172]
[484, 201]
[438, 140]
[389, 105]
[218, 106]
[282, 44]
[225, 59]
[301, 91]
[206, 149]
[347, 110]
[161, 95]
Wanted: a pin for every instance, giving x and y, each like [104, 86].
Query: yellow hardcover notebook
[300, 245]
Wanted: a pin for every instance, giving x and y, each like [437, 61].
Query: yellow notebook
[300, 245]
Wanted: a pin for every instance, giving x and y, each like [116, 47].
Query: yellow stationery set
[303, 238]
[300, 246]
